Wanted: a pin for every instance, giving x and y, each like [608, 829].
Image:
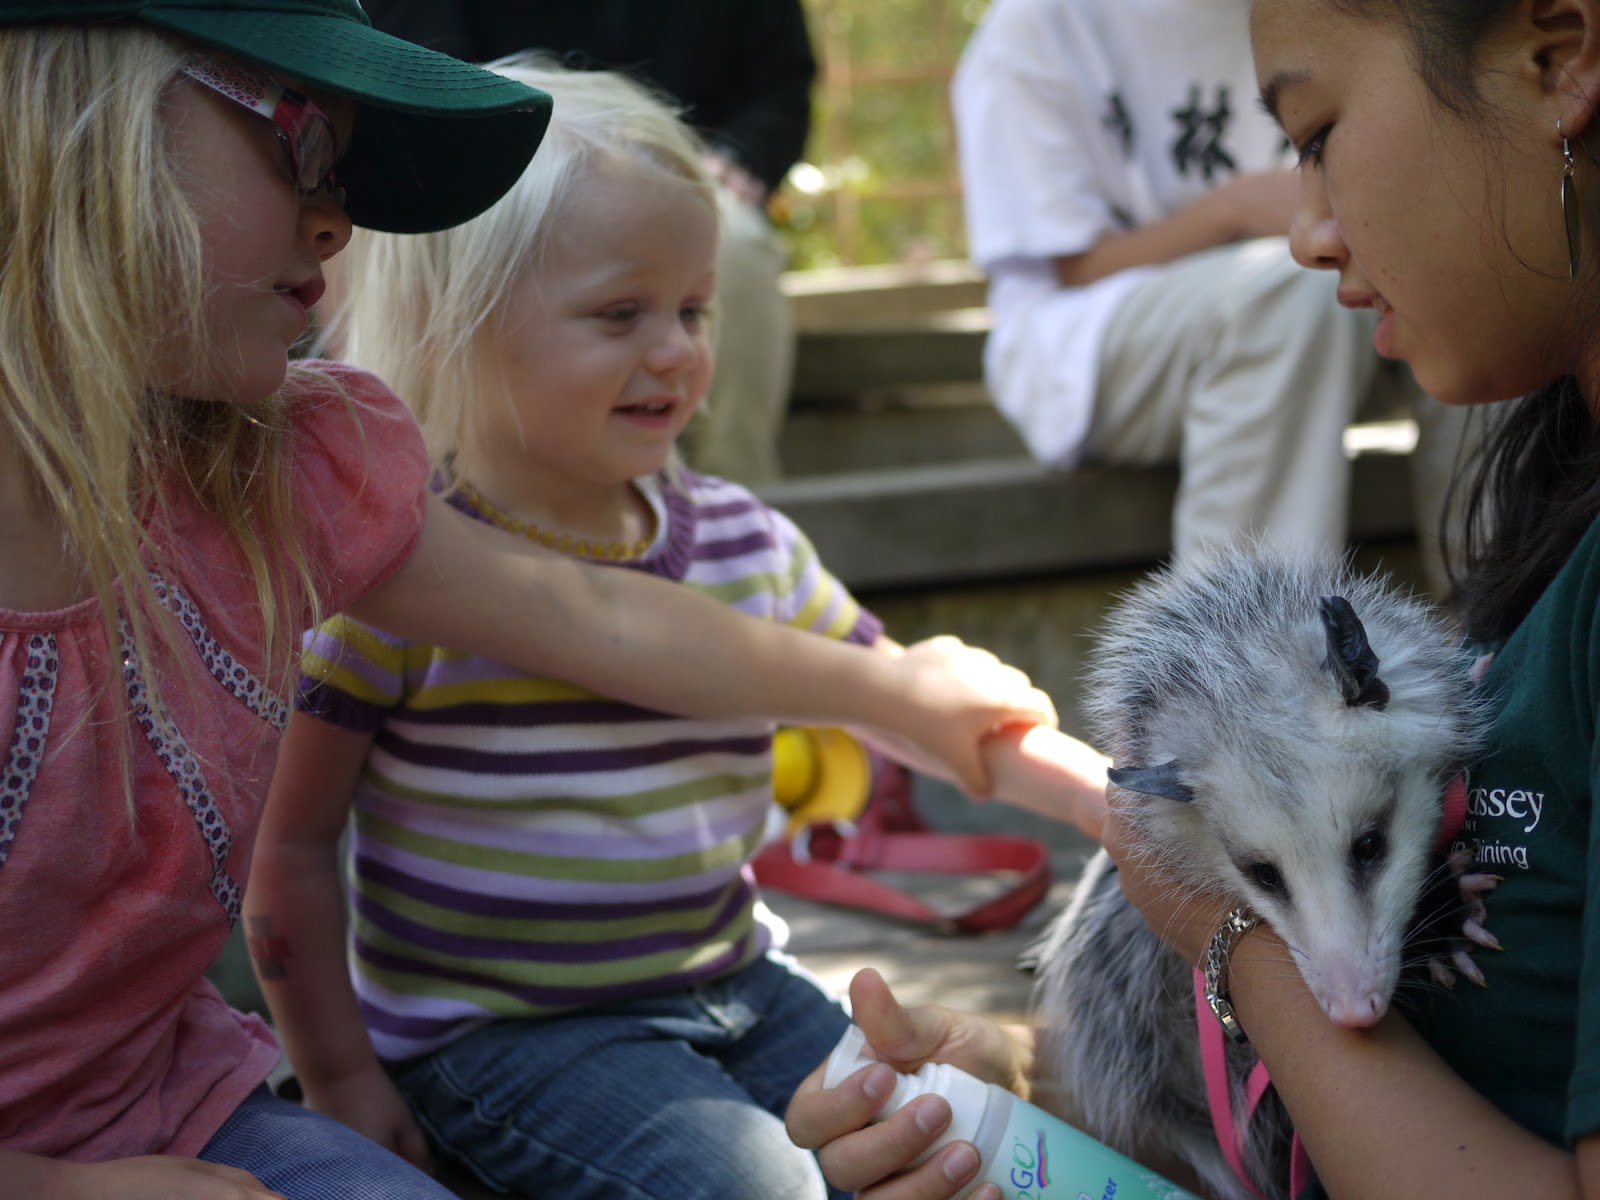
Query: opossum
[1282, 732]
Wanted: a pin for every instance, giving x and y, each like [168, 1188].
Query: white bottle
[1025, 1152]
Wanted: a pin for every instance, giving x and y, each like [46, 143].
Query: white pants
[736, 433]
[1240, 365]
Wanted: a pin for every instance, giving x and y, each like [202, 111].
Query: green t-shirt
[1530, 1040]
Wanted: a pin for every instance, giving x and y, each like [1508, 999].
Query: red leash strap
[832, 872]
[828, 863]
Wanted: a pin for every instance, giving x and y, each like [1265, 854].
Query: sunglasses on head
[305, 130]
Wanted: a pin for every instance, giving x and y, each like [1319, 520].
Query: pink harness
[1230, 1134]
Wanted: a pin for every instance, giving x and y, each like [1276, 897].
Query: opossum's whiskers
[1265, 930]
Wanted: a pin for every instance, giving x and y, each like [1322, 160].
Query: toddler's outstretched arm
[659, 644]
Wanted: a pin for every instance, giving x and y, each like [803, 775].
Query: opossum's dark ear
[1350, 657]
[1153, 781]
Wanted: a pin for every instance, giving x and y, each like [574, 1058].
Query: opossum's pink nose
[1355, 1011]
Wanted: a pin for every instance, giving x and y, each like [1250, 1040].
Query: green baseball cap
[436, 141]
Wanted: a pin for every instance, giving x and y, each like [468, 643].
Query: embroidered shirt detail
[35, 694]
[257, 696]
[181, 764]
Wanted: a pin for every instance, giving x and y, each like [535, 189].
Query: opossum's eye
[1266, 876]
[1368, 848]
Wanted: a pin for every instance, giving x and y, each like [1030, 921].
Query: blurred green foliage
[879, 181]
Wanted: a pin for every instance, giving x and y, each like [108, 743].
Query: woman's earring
[1569, 205]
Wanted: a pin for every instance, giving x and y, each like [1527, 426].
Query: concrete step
[842, 297]
[992, 518]
[931, 348]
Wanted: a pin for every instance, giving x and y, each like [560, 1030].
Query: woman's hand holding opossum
[1184, 920]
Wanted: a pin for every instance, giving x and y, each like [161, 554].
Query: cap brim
[437, 140]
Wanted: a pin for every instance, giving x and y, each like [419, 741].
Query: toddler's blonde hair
[411, 308]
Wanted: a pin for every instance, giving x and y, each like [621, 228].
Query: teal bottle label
[1056, 1162]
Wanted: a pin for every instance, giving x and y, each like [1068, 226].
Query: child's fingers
[908, 1037]
[941, 1177]
[892, 1030]
[971, 773]
[880, 1152]
[818, 1116]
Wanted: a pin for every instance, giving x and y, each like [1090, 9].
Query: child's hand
[834, 1122]
[158, 1177]
[370, 1104]
[959, 695]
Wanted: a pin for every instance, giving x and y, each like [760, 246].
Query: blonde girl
[555, 955]
[177, 503]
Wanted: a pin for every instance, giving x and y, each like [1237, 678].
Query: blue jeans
[307, 1156]
[670, 1097]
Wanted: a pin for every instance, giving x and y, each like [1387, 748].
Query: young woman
[1447, 177]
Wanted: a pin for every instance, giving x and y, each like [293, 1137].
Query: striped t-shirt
[523, 847]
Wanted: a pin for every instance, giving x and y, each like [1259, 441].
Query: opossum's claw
[1459, 859]
[1464, 964]
[1475, 932]
[1479, 883]
[1440, 972]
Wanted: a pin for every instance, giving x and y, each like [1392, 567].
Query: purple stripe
[740, 504]
[416, 1029]
[338, 708]
[738, 822]
[537, 996]
[528, 950]
[535, 712]
[564, 762]
[443, 896]
[721, 550]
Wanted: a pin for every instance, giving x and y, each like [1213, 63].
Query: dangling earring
[1569, 205]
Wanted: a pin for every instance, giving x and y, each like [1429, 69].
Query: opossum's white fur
[1219, 667]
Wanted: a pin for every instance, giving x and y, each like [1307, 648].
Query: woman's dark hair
[1534, 487]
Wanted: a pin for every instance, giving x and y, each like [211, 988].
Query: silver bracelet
[1234, 926]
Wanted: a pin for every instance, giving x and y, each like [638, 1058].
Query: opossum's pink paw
[1479, 883]
[1460, 859]
[1439, 971]
[1477, 934]
[1462, 960]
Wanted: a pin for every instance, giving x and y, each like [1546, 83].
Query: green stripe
[534, 973]
[730, 852]
[512, 929]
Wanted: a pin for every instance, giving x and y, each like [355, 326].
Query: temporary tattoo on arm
[270, 953]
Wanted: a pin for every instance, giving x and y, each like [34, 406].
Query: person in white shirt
[1130, 203]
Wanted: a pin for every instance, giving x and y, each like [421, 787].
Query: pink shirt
[112, 1042]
